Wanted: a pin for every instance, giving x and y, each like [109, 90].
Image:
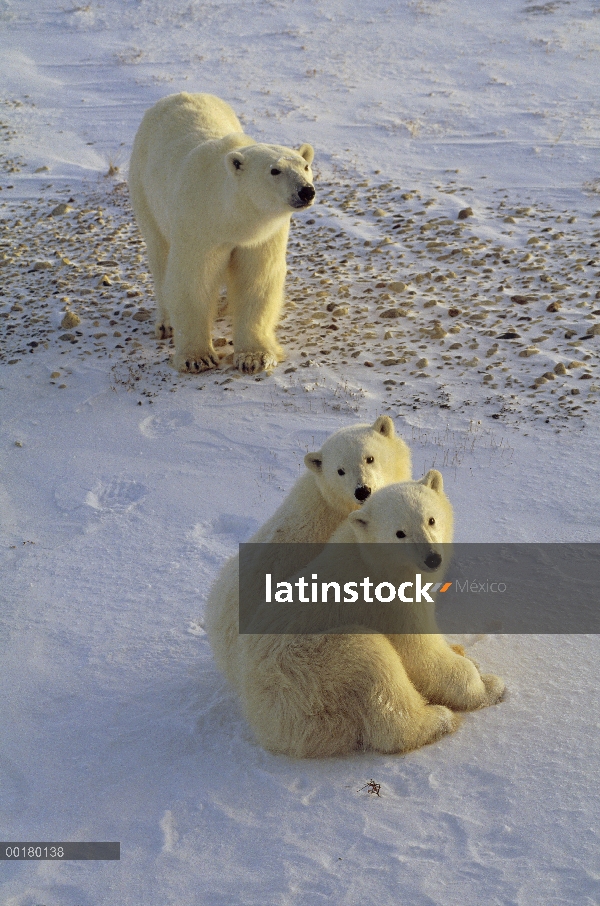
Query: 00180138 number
[34, 852]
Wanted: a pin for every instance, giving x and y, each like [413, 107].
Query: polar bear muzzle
[306, 195]
[362, 492]
[433, 560]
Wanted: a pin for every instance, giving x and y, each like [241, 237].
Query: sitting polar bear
[320, 694]
[214, 208]
[352, 464]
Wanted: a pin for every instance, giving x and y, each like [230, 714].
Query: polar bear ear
[234, 161]
[307, 152]
[314, 462]
[433, 480]
[384, 425]
[358, 522]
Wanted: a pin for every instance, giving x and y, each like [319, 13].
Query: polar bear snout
[306, 195]
[433, 560]
[362, 492]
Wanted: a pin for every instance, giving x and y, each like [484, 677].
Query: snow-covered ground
[124, 486]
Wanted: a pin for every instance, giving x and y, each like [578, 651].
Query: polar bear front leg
[191, 295]
[255, 280]
[443, 676]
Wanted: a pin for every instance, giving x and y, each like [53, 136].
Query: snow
[124, 486]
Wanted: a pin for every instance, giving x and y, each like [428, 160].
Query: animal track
[116, 495]
[168, 423]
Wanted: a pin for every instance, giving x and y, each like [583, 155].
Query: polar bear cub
[214, 208]
[318, 695]
[351, 465]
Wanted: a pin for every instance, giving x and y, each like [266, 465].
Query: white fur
[318, 695]
[314, 508]
[212, 212]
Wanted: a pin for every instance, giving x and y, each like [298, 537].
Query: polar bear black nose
[433, 560]
[362, 492]
[306, 194]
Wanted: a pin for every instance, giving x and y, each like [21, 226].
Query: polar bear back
[169, 132]
[197, 117]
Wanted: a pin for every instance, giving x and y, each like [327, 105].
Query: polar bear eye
[307, 168]
[275, 171]
[431, 521]
[341, 472]
[400, 534]
[370, 459]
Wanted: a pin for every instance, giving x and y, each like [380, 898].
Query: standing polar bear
[214, 208]
[351, 465]
[316, 694]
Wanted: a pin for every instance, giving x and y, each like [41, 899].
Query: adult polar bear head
[275, 179]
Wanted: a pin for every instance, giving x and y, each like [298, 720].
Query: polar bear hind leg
[319, 697]
[192, 285]
[157, 249]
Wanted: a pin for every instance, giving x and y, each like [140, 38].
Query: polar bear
[352, 464]
[214, 208]
[320, 694]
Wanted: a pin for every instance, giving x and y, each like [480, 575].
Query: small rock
[466, 212]
[142, 315]
[554, 306]
[397, 286]
[422, 363]
[104, 281]
[67, 336]
[71, 319]
[509, 335]
[61, 209]
[55, 374]
[559, 368]
[391, 313]
[454, 312]
[42, 265]
[522, 300]
[369, 364]
[438, 332]
[549, 375]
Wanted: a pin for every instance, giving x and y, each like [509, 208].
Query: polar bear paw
[439, 721]
[252, 362]
[194, 364]
[494, 689]
[163, 331]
